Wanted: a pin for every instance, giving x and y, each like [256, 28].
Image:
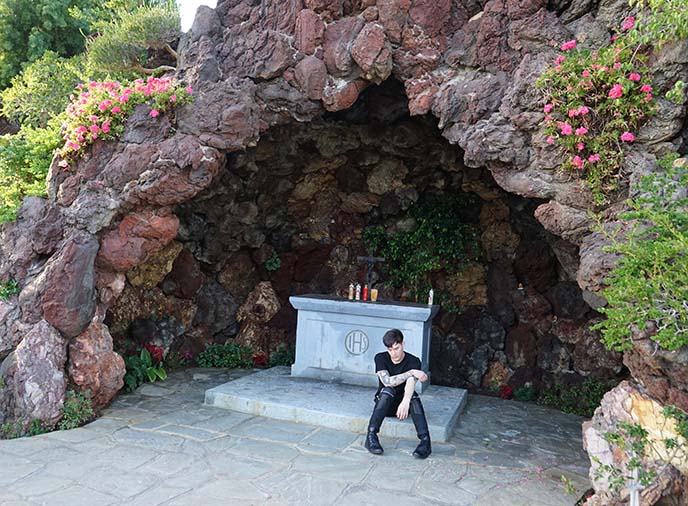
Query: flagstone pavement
[161, 446]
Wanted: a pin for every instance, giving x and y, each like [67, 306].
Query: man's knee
[388, 391]
[416, 405]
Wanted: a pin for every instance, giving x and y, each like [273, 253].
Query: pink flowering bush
[99, 110]
[595, 102]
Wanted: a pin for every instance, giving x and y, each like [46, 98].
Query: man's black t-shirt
[383, 362]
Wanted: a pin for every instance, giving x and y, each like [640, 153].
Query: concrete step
[274, 393]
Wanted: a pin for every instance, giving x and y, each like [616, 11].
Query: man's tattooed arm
[392, 381]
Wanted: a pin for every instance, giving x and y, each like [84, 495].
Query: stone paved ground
[161, 446]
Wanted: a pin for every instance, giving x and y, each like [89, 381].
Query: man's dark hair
[391, 337]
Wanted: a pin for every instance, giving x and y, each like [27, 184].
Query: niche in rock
[291, 215]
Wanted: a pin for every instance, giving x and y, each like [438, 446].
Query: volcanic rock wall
[257, 65]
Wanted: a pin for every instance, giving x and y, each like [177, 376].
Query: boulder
[310, 29]
[261, 305]
[185, 278]
[137, 238]
[216, 309]
[95, 369]
[9, 339]
[35, 382]
[153, 271]
[630, 403]
[64, 292]
[372, 52]
[239, 275]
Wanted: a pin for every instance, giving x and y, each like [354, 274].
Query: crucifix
[370, 260]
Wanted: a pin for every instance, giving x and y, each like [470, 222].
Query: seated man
[396, 396]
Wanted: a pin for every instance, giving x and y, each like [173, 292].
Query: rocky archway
[256, 67]
[303, 198]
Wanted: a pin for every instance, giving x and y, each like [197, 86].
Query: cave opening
[290, 216]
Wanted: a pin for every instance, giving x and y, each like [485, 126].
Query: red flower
[260, 360]
[156, 352]
[505, 392]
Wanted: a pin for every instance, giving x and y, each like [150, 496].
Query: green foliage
[675, 94]
[97, 15]
[76, 411]
[661, 22]
[29, 28]
[525, 393]
[141, 369]
[650, 281]
[647, 457]
[8, 289]
[225, 355]
[175, 360]
[14, 430]
[595, 102]
[123, 44]
[569, 486]
[24, 162]
[273, 263]
[2, 382]
[580, 400]
[284, 355]
[440, 241]
[42, 90]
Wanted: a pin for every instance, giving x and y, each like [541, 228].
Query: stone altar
[337, 339]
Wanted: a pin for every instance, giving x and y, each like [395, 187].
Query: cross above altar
[370, 260]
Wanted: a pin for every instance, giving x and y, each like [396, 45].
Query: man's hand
[403, 410]
[419, 375]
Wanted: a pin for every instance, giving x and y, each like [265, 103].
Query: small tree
[29, 28]
[125, 44]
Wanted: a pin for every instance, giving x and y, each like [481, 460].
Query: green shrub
[175, 360]
[284, 355]
[7, 290]
[650, 280]
[77, 410]
[225, 355]
[141, 369]
[439, 241]
[14, 430]
[42, 90]
[273, 263]
[24, 162]
[123, 44]
[525, 393]
[578, 400]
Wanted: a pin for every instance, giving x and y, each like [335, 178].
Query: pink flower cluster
[100, 104]
[593, 97]
[628, 23]
[616, 91]
[570, 44]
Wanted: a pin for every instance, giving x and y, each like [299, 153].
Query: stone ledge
[274, 393]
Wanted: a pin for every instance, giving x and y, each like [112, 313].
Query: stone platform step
[274, 393]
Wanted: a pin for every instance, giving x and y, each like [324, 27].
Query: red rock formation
[94, 368]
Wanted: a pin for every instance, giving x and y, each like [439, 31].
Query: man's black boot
[372, 443]
[424, 448]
